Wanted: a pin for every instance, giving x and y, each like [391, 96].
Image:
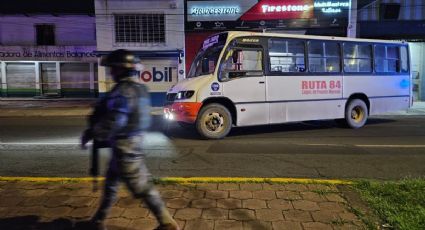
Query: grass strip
[400, 204]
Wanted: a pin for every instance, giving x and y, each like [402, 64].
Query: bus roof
[233, 34]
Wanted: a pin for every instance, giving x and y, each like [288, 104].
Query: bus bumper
[182, 111]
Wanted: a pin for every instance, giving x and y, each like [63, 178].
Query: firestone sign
[64, 53]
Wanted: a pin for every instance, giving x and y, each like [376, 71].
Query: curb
[190, 180]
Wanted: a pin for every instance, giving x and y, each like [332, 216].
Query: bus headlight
[185, 94]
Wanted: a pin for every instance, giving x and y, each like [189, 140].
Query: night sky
[47, 6]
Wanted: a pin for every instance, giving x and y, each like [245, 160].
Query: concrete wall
[174, 22]
[418, 68]
[19, 30]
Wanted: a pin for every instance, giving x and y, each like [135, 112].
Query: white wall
[174, 21]
[417, 50]
[19, 30]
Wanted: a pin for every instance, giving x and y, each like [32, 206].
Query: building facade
[47, 52]
[315, 17]
[153, 30]
[399, 20]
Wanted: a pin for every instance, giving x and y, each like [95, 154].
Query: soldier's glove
[86, 137]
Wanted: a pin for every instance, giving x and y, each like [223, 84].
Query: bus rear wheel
[356, 114]
[214, 121]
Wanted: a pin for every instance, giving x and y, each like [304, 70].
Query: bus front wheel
[214, 121]
[356, 114]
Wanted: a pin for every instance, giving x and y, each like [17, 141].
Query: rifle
[94, 161]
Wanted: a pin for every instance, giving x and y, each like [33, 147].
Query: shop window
[140, 28]
[45, 34]
[286, 55]
[324, 57]
[357, 58]
[389, 11]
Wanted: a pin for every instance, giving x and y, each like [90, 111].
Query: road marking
[190, 180]
[369, 146]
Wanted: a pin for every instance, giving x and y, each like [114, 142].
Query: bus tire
[214, 121]
[356, 113]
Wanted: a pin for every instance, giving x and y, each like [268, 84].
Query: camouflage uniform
[120, 118]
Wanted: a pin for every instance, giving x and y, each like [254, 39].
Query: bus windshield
[207, 57]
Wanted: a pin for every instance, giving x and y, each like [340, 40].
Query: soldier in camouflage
[120, 119]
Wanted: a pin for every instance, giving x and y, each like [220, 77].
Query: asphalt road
[388, 147]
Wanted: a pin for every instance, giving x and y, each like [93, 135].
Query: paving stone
[305, 205]
[115, 212]
[117, 223]
[194, 194]
[333, 206]
[207, 186]
[251, 187]
[133, 213]
[34, 192]
[217, 194]
[242, 214]
[273, 187]
[172, 211]
[84, 212]
[257, 225]
[229, 203]
[56, 201]
[254, 204]
[264, 195]
[269, 214]
[322, 187]
[34, 201]
[215, 214]
[167, 194]
[199, 224]
[228, 225]
[348, 226]
[280, 204]
[348, 216]
[33, 210]
[241, 194]
[79, 202]
[188, 213]
[59, 192]
[58, 212]
[228, 186]
[316, 226]
[335, 197]
[10, 201]
[204, 203]
[325, 216]
[288, 195]
[178, 203]
[297, 216]
[128, 202]
[286, 225]
[296, 187]
[312, 196]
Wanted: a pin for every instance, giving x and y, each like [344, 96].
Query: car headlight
[185, 94]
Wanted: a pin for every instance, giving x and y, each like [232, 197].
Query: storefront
[319, 17]
[48, 71]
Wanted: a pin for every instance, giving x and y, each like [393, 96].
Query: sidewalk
[201, 206]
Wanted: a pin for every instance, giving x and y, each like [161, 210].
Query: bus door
[242, 75]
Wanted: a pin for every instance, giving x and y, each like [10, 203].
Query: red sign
[278, 9]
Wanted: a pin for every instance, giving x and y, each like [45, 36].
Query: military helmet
[120, 58]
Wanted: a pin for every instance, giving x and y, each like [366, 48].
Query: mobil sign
[159, 75]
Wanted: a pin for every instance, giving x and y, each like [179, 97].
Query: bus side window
[286, 55]
[243, 63]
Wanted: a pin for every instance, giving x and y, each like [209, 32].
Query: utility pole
[352, 19]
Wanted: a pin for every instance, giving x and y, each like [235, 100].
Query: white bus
[246, 78]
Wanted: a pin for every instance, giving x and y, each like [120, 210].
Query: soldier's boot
[170, 226]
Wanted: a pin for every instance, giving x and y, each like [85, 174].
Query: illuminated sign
[284, 8]
[210, 41]
[215, 10]
[329, 7]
